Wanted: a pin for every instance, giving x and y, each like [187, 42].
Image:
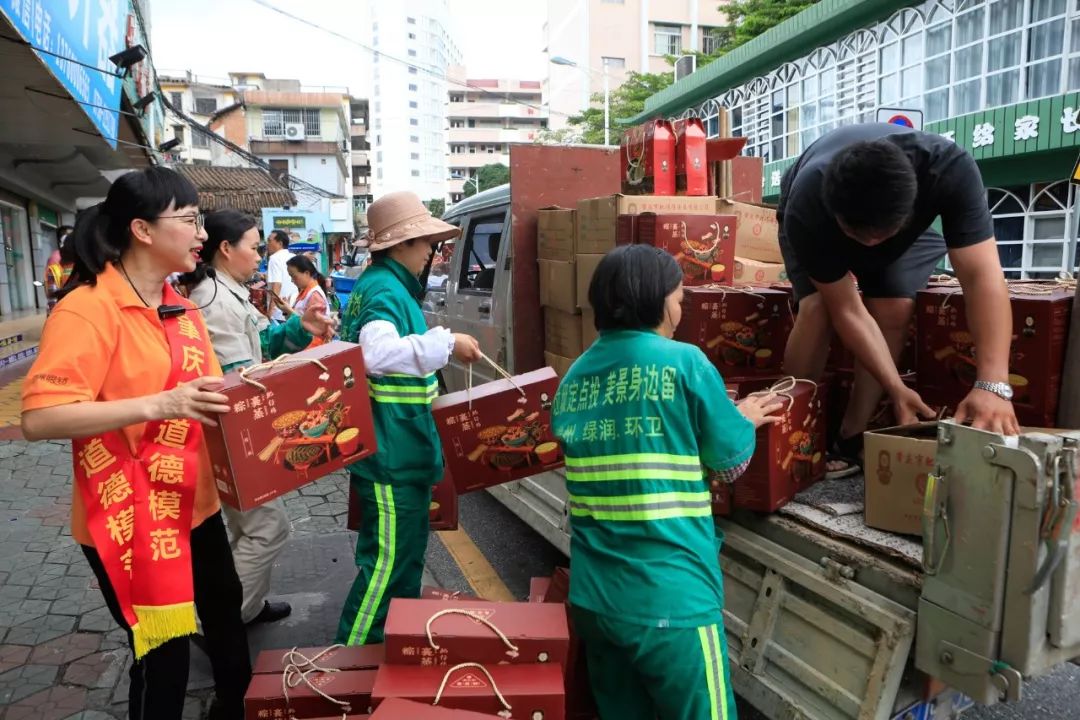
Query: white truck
[826, 619]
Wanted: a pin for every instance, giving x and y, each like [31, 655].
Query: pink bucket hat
[400, 216]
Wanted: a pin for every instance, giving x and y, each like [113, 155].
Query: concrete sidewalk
[61, 654]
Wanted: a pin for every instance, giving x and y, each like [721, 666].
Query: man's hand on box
[195, 400]
[987, 411]
[909, 407]
[466, 348]
[317, 324]
[760, 409]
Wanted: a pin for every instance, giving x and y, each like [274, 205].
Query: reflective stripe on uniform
[405, 394]
[714, 671]
[634, 466]
[384, 565]
[652, 506]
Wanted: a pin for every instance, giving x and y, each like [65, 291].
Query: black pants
[159, 680]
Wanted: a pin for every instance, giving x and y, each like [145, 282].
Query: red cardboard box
[742, 330]
[266, 699]
[703, 245]
[499, 431]
[647, 159]
[398, 709]
[691, 168]
[530, 690]
[538, 587]
[291, 423]
[579, 698]
[626, 230]
[537, 632]
[790, 454]
[721, 495]
[442, 511]
[432, 593]
[353, 657]
[946, 356]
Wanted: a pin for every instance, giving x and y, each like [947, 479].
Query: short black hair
[630, 286]
[282, 237]
[871, 185]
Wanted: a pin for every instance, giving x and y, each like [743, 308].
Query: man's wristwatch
[1002, 389]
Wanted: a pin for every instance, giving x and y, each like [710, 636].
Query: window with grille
[199, 139]
[177, 99]
[274, 121]
[667, 39]
[710, 41]
[205, 106]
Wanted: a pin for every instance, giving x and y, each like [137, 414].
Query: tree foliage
[489, 176]
[436, 207]
[746, 20]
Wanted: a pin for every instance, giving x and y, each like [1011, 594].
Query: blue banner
[89, 31]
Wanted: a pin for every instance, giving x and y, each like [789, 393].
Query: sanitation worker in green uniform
[401, 356]
[642, 419]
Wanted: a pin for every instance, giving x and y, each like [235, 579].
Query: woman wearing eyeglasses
[243, 336]
[126, 372]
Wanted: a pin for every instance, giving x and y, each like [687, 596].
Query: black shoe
[272, 612]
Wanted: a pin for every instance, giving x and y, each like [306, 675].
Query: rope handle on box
[512, 649]
[1025, 287]
[506, 713]
[280, 360]
[498, 369]
[783, 387]
[297, 670]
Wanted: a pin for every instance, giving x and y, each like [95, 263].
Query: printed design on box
[742, 335]
[697, 255]
[468, 681]
[523, 440]
[884, 470]
[303, 438]
[429, 657]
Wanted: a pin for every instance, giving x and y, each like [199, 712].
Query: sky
[214, 37]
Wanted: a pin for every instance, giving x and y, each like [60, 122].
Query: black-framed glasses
[197, 220]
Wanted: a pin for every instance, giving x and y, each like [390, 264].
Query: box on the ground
[538, 587]
[398, 709]
[265, 696]
[757, 233]
[292, 422]
[703, 245]
[529, 691]
[442, 509]
[558, 363]
[755, 272]
[433, 593]
[742, 330]
[586, 268]
[353, 657]
[469, 631]
[897, 462]
[556, 234]
[558, 285]
[562, 333]
[589, 333]
[790, 454]
[499, 431]
[946, 348]
[597, 218]
[647, 159]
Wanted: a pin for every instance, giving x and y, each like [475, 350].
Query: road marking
[478, 572]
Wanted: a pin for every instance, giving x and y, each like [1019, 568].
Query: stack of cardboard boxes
[557, 248]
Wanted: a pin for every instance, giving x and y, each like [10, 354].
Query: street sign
[900, 116]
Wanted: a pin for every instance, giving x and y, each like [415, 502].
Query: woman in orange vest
[58, 268]
[126, 372]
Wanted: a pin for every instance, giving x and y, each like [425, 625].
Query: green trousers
[645, 673]
[390, 551]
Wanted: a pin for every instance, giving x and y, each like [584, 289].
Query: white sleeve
[274, 273]
[386, 352]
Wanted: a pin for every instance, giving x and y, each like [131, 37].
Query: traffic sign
[909, 118]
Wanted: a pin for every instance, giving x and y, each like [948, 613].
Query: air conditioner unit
[294, 131]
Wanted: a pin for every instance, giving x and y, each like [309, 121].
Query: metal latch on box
[1061, 512]
[1007, 680]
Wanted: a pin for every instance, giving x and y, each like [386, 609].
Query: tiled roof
[246, 189]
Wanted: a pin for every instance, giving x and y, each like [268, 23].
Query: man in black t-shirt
[860, 201]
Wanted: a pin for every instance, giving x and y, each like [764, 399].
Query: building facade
[486, 117]
[621, 36]
[201, 99]
[361, 161]
[414, 52]
[68, 129]
[999, 77]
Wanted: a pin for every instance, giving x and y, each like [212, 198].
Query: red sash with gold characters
[139, 507]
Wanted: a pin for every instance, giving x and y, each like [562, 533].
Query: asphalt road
[517, 553]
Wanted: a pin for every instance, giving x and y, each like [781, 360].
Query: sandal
[846, 451]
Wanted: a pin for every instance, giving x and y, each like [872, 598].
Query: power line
[402, 61]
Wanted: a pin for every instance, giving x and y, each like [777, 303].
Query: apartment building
[486, 117]
[361, 159]
[414, 51]
[621, 36]
[201, 99]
